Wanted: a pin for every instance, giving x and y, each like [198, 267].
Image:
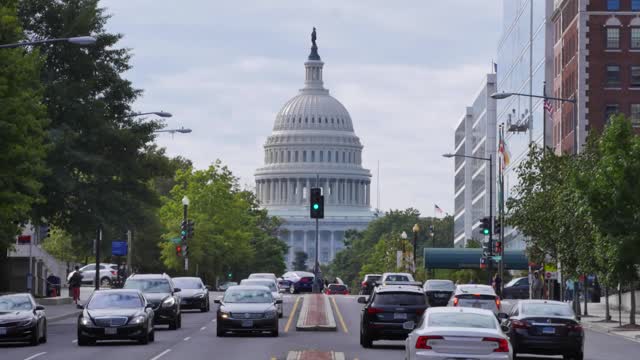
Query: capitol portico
[313, 144]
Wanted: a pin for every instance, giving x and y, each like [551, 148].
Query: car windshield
[270, 284]
[546, 310]
[512, 282]
[15, 302]
[440, 285]
[461, 319]
[248, 296]
[399, 298]
[397, 278]
[187, 283]
[261, 276]
[336, 287]
[122, 300]
[149, 285]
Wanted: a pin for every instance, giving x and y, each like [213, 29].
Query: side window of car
[89, 268]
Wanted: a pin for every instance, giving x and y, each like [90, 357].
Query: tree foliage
[300, 261]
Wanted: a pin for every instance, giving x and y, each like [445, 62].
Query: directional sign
[497, 258]
[118, 248]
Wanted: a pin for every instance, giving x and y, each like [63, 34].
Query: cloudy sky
[404, 70]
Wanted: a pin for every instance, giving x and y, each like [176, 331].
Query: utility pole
[129, 249]
[490, 262]
[98, 240]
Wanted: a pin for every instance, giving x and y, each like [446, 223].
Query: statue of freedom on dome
[313, 36]
[314, 47]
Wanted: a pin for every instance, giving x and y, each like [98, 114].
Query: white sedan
[458, 333]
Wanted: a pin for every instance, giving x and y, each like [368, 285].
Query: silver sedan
[448, 332]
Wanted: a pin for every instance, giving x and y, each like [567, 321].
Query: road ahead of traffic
[197, 340]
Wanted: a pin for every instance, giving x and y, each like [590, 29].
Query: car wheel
[144, 339]
[43, 339]
[105, 281]
[274, 333]
[35, 336]
[219, 331]
[152, 336]
[574, 356]
[173, 324]
[205, 308]
[365, 340]
[179, 320]
[84, 341]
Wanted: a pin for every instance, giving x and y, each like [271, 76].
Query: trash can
[53, 286]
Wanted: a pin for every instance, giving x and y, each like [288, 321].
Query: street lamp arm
[158, 113]
[78, 40]
[506, 95]
[467, 156]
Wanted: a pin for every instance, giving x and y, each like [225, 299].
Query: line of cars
[440, 320]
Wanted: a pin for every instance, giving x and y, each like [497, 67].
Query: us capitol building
[313, 144]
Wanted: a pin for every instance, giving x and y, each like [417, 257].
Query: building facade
[596, 59]
[475, 135]
[313, 144]
[524, 66]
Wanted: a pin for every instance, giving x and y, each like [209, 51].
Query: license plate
[110, 331]
[3, 331]
[247, 323]
[399, 316]
[440, 295]
[548, 330]
[477, 305]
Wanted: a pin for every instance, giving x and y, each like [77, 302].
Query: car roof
[258, 280]
[399, 288]
[262, 274]
[187, 277]
[105, 291]
[550, 302]
[149, 276]
[475, 288]
[449, 309]
[250, 287]
[373, 275]
[396, 273]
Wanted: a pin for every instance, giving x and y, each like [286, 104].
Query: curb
[63, 316]
[298, 355]
[331, 321]
[606, 330]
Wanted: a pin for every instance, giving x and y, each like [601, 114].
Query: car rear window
[440, 285]
[476, 297]
[546, 310]
[460, 319]
[399, 298]
[337, 287]
[397, 278]
[373, 277]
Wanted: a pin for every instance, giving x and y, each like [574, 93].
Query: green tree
[22, 123]
[101, 159]
[300, 261]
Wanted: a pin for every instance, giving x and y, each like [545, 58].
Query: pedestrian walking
[75, 281]
[537, 285]
[496, 284]
[569, 290]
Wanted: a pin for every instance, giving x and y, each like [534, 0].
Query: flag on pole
[548, 107]
[504, 152]
[437, 209]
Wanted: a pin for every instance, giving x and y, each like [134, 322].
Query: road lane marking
[292, 314]
[344, 326]
[202, 328]
[35, 356]
[159, 355]
[187, 338]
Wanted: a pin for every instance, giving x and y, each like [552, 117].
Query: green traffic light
[485, 231]
[316, 206]
[184, 233]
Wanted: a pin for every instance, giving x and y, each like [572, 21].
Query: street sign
[118, 248]
[551, 275]
[176, 240]
[497, 258]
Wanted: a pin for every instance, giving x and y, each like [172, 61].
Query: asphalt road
[197, 340]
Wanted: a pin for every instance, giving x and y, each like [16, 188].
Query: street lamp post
[490, 160]
[182, 130]
[185, 209]
[403, 236]
[416, 230]
[78, 40]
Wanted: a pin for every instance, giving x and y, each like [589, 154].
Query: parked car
[193, 293]
[22, 319]
[270, 276]
[517, 288]
[458, 333]
[336, 289]
[544, 327]
[438, 292]
[225, 285]
[369, 283]
[271, 284]
[116, 315]
[247, 309]
[301, 281]
[108, 274]
[160, 291]
[387, 310]
[476, 296]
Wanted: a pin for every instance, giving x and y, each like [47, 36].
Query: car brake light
[503, 344]
[373, 310]
[420, 311]
[113, 272]
[455, 301]
[423, 341]
[519, 324]
[574, 327]
[364, 283]
[498, 302]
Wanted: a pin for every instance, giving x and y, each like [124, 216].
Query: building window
[635, 37]
[304, 156]
[635, 76]
[635, 5]
[613, 4]
[344, 157]
[328, 156]
[613, 75]
[296, 156]
[609, 111]
[613, 38]
[313, 156]
[288, 156]
[337, 156]
[321, 156]
[635, 115]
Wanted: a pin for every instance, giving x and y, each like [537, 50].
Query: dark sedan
[247, 309]
[22, 320]
[116, 315]
[544, 327]
[160, 292]
[438, 292]
[517, 288]
[193, 293]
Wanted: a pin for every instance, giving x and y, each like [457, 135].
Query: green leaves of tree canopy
[22, 122]
[300, 261]
[232, 234]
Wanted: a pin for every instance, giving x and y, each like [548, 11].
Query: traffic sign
[497, 258]
[551, 275]
[118, 248]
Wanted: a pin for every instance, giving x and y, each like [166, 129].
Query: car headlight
[224, 315]
[270, 314]
[85, 321]
[168, 302]
[200, 296]
[137, 320]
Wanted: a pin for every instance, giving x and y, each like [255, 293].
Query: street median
[316, 314]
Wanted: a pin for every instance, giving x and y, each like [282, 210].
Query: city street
[197, 340]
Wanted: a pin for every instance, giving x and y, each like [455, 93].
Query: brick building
[596, 59]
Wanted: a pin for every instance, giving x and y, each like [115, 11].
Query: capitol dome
[313, 144]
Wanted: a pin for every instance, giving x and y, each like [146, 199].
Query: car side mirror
[39, 307]
[362, 300]
[176, 290]
[217, 301]
[79, 306]
[278, 301]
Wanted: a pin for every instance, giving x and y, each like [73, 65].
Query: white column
[368, 190]
[270, 186]
[299, 191]
[308, 187]
[332, 251]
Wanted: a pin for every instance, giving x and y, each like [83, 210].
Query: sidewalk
[64, 311]
[595, 321]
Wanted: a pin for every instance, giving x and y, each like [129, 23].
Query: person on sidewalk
[74, 284]
[495, 283]
[537, 285]
[569, 290]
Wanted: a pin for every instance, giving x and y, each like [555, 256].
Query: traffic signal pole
[490, 262]
[184, 219]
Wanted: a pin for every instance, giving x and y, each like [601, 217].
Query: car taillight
[373, 310]
[423, 341]
[113, 272]
[503, 344]
[498, 302]
[420, 311]
[574, 327]
[364, 283]
[455, 301]
[519, 324]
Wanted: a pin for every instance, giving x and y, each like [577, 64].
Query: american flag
[437, 209]
[548, 107]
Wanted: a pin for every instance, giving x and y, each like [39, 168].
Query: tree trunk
[586, 295]
[607, 315]
[632, 312]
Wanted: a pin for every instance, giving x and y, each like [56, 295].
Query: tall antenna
[378, 189]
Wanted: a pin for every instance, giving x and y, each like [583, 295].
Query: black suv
[369, 283]
[387, 310]
[161, 293]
